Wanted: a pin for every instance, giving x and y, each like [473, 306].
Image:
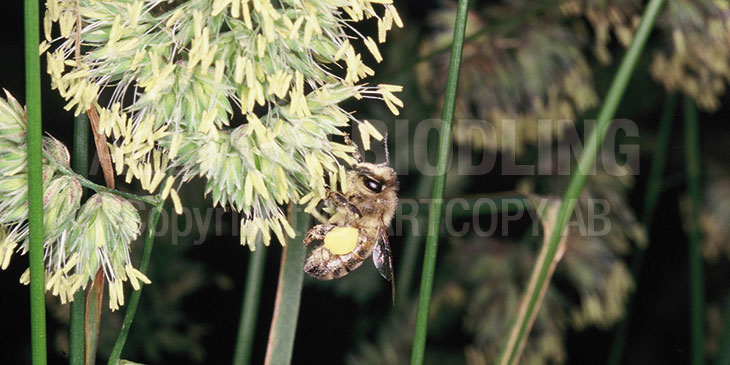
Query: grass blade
[653, 189]
[250, 309]
[35, 184]
[586, 161]
[288, 293]
[723, 352]
[134, 298]
[696, 285]
[547, 217]
[437, 195]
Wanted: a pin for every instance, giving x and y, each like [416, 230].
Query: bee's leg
[342, 201]
[356, 153]
[317, 233]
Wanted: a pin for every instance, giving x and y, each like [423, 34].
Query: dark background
[328, 321]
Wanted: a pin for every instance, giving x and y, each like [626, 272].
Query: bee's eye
[372, 184]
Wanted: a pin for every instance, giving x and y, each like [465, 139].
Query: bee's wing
[383, 259]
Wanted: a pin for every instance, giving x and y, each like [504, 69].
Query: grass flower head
[243, 93]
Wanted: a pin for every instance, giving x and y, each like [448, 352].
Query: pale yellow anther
[364, 136]
[167, 188]
[218, 6]
[343, 179]
[156, 180]
[67, 23]
[43, 47]
[281, 180]
[134, 10]
[175, 144]
[382, 30]
[260, 45]
[258, 183]
[146, 176]
[235, 8]
[343, 48]
[239, 69]
[248, 190]
[176, 202]
[207, 60]
[116, 32]
[197, 22]
[246, 14]
[372, 131]
[373, 48]
[294, 31]
[287, 227]
[220, 67]
[206, 121]
[396, 17]
[175, 15]
[138, 56]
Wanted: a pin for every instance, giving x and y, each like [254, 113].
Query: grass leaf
[289, 291]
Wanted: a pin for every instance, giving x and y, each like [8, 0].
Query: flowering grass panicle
[243, 93]
[714, 214]
[515, 86]
[620, 17]
[77, 243]
[695, 34]
[105, 227]
[696, 58]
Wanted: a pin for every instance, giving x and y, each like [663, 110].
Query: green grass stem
[80, 164]
[439, 182]
[694, 187]
[288, 294]
[147, 199]
[35, 184]
[134, 299]
[723, 352]
[250, 308]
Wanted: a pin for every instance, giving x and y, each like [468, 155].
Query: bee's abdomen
[324, 265]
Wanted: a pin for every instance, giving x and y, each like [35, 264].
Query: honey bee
[357, 228]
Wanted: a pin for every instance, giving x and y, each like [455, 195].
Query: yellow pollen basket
[341, 240]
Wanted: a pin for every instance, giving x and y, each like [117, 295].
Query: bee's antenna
[387, 154]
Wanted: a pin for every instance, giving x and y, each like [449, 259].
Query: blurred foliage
[534, 72]
[536, 76]
[617, 17]
[535, 66]
[695, 58]
[715, 215]
[482, 279]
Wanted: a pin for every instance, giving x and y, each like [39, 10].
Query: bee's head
[375, 178]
